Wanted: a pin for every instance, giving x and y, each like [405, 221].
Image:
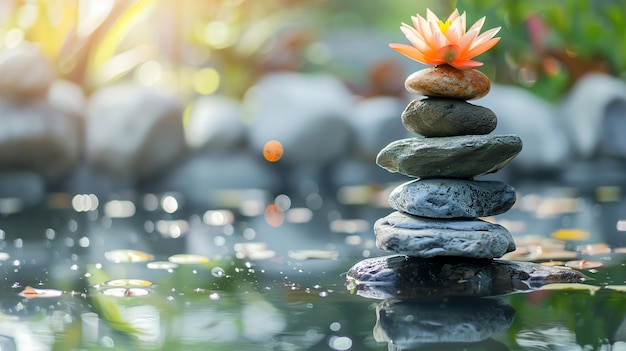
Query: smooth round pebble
[447, 81]
[439, 117]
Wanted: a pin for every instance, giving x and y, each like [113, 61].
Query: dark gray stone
[413, 323]
[424, 237]
[452, 198]
[438, 117]
[456, 157]
[399, 276]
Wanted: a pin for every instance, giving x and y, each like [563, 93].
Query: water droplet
[323, 293]
[214, 296]
[218, 272]
[50, 234]
[340, 343]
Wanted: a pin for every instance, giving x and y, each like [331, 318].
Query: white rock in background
[133, 131]
[215, 123]
[308, 114]
[38, 137]
[545, 146]
[68, 97]
[25, 72]
[377, 122]
[593, 114]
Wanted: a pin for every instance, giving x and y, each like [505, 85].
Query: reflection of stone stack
[437, 214]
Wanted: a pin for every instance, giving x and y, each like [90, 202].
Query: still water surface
[266, 272]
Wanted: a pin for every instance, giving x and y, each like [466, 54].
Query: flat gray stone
[466, 156]
[452, 198]
[400, 276]
[410, 324]
[438, 117]
[425, 237]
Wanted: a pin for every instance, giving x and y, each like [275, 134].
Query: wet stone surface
[400, 276]
[449, 82]
[424, 237]
[437, 117]
[452, 198]
[456, 157]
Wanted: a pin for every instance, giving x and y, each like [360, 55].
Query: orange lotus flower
[436, 42]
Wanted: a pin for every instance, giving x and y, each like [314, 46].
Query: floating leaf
[571, 286]
[621, 288]
[30, 293]
[584, 264]
[119, 256]
[570, 234]
[188, 259]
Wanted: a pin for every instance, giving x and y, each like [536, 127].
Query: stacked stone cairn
[438, 213]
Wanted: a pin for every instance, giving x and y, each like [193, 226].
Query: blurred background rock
[102, 96]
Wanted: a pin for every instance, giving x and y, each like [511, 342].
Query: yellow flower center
[443, 26]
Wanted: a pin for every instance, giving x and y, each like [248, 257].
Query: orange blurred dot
[273, 150]
[274, 215]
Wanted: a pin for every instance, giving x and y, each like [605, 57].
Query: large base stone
[411, 277]
[452, 198]
[466, 156]
[424, 237]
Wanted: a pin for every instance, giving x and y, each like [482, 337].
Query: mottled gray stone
[424, 237]
[456, 157]
[413, 323]
[437, 117]
[400, 276]
[452, 198]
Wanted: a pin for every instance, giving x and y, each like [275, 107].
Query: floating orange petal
[435, 42]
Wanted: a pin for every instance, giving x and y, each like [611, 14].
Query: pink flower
[435, 42]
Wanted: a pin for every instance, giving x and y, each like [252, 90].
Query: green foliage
[557, 41]
[546, 45]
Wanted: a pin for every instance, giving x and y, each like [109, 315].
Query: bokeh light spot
[273, 151]
[206, 81]
[274, 215]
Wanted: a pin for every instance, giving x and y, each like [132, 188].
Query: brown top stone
[447, 81]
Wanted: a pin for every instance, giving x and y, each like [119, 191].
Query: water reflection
[464, 324]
